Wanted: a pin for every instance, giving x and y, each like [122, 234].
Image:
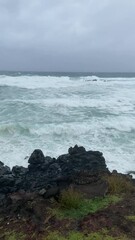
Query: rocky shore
[26, 194]
[46, 176]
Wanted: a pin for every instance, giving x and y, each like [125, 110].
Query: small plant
[84, 207]
[70, 199]
[119, 184]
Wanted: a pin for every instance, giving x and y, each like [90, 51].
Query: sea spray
[53, 111]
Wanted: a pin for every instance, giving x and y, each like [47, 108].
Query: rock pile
[47, 176]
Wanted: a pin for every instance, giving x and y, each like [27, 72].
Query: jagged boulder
[79, 159]
[48, 176]
[37, 157]
[4, 169]
[19, 170]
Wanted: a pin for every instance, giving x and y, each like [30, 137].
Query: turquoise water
[53, 111]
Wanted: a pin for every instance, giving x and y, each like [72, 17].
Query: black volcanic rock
[79, 159]
[4, 169]
[76, 150]
[50, 174]
[37, 157]
[19, 170]
[6, 180]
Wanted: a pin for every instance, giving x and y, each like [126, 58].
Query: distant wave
[56, 82]
[91, 78]
[11, 129]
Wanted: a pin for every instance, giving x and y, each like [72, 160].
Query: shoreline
[73, 194]
[47, 171]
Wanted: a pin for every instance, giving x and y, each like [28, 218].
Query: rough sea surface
[53, 111]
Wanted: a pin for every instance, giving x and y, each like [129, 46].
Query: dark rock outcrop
[94, 189]
[47, 176]
[78, 159]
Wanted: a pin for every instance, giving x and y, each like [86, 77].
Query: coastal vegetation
[102, 235]
[82, 204]
[73, 205]
[74, 217]
[119, 184]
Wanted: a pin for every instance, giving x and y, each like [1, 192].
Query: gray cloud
[89, 35]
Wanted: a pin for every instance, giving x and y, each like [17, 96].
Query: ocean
[53, 111]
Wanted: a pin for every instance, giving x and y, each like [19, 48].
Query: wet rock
[18, 184]
[54, 169]
[38, 162]
[48, 176]
[37, 157]
[19, 171]
[7, 180]
[4, 169]
[76, 150]
[1, 164]
[79, 159]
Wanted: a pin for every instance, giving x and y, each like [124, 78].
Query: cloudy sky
[67, 35]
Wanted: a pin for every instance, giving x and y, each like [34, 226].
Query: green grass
[14, 236]
[54, 236]
[119, 184]
[70, 199]
[132, 218]
[102, 235]
[86, 206]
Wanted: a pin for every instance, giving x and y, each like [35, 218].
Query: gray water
[53, 111]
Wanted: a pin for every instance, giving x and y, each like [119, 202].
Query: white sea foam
[53, 113]
[33, 82]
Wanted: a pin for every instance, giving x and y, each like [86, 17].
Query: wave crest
[12, 129]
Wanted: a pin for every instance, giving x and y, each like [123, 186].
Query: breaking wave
[54, 112]
[10, 130]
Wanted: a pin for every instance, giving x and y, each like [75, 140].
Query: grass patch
[70, 199]
[54, 236]
[102, 235]
[14, 236]
[131, 218]
[119, 184]
[86, 206]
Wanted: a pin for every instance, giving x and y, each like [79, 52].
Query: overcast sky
[67, 35]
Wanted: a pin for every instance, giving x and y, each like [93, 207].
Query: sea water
[53, 111]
